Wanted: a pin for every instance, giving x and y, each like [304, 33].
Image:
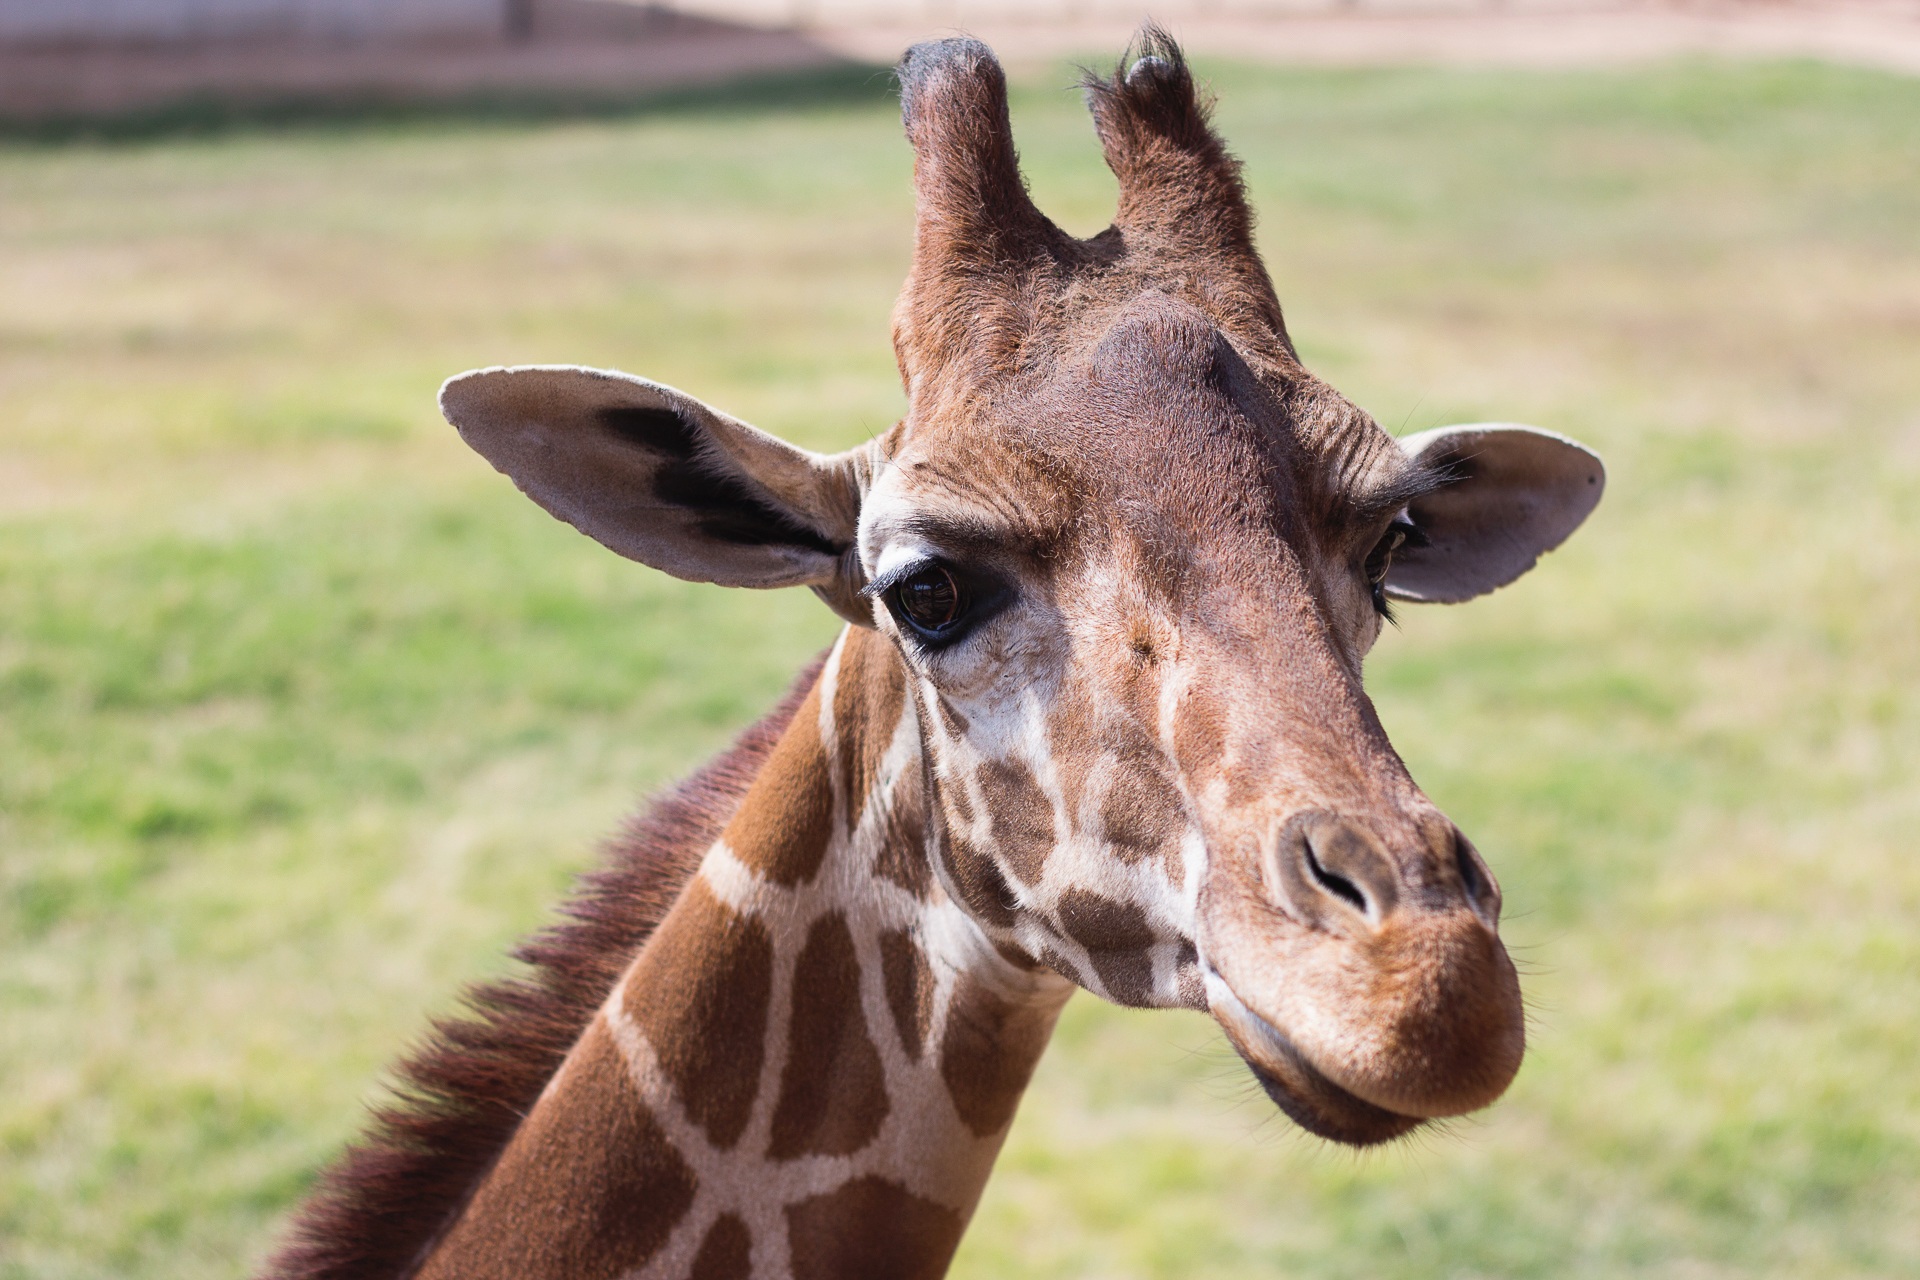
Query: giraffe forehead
[1129, 532]
[1107, 562]
[1136, 397]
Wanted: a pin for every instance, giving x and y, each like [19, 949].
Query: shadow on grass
[845, 85]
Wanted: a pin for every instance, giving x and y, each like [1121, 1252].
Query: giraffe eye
[938, 604]
[930, 601]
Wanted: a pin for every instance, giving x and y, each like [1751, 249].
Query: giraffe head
[1131, 556]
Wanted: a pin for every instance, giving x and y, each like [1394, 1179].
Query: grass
[304, 714]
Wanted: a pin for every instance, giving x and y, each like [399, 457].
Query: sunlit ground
[305, 714]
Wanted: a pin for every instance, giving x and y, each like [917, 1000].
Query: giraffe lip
[1295, 1085]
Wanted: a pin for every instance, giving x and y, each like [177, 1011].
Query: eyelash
[1401, 533]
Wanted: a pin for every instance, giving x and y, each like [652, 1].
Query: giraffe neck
[808, 1069]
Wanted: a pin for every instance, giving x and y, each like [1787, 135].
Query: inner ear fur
[659, 477]
[1512, 494]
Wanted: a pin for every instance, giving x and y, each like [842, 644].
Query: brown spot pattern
[978, 882]
[833, 1092]
[902, 857]
[872, 1229]
[868, 699]
[1062, 966]
[462, 1094]
[786, 820]
[1116, 936]
[909, 983]
[959, 809]
[987, 1054]
[700, 993]
[1021, 815]
[1190, 986]
[1199, 733]
[1142, 812]
[1014, 955]
[726, 1253]
[955, 720]
[560, 1202]
[1072, 724]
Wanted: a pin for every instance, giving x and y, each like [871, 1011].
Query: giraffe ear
[661, 478]
[1515, 494]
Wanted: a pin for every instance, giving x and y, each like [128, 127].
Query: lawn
[305, 714]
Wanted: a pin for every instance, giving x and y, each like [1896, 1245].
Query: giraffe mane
[457, 1100]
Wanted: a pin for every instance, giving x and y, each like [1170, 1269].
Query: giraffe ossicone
[1096, 721]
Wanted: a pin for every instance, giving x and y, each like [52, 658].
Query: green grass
[305, 714]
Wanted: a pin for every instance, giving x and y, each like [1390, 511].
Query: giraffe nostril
[1483, 895]
[1339, 886]
[1469, 874]
[1324, 868]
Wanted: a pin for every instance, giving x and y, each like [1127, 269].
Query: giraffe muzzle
[1367, 991]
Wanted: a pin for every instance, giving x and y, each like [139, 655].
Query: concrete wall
[87, 21]
[113, 21]
[960, 12]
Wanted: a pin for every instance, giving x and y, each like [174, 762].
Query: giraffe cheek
[1200, 734]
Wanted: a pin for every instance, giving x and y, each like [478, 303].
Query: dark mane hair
[459, 1097]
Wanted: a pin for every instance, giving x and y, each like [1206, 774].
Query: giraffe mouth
[1296, 1086]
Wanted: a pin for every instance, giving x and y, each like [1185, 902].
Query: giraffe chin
[1296, 1086]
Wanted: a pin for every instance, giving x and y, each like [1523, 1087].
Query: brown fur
[1022, 820]
[987, 1054]
[726, 1253]
[1140, 815]
[460, 1098]
[902, 857]
[977, 880]
[544, 1212]
[872, 688]
[1120, 428]
[909, 984]
[1116, 936]
[700, 993]
[833, 1091]
[786, 819]
[872, 1229]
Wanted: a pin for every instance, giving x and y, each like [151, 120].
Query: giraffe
[1095, 721]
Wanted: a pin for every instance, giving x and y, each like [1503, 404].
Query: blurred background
[305, 714]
